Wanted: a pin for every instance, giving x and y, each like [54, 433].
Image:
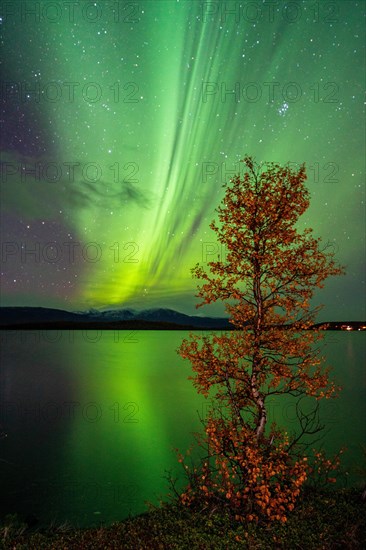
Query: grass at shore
[321, 520]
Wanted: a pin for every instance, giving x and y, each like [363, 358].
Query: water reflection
[91, 418]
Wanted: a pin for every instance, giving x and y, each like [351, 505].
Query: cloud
[41, 187]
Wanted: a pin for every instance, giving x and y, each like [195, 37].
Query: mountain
[128, 319]
[172, 316]
[162, 315]
[16, 315]
[111, 315]
[38, 317]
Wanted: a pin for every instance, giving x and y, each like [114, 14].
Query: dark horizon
[126, 318]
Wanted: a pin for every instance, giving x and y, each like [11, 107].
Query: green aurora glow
[156, 216]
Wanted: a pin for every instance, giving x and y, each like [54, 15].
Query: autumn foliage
[266, 281]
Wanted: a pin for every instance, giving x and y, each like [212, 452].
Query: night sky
[122, 120]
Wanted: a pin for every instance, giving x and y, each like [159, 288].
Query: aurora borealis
[122, 120]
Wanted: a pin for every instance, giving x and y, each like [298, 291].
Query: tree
[266, 282]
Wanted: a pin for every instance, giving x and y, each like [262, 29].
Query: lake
[91, 419]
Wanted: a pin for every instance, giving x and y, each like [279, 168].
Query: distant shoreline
[136, 324]
[38, 318]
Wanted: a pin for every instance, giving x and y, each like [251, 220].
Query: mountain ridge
[18, 315]
[28, 317]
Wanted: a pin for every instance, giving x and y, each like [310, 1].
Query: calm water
[92, 417]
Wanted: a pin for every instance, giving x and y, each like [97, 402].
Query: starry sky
[122, 120]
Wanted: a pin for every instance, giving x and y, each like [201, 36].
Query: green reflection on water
[108, 407]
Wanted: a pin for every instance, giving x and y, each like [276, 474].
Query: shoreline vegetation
[326, 519]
